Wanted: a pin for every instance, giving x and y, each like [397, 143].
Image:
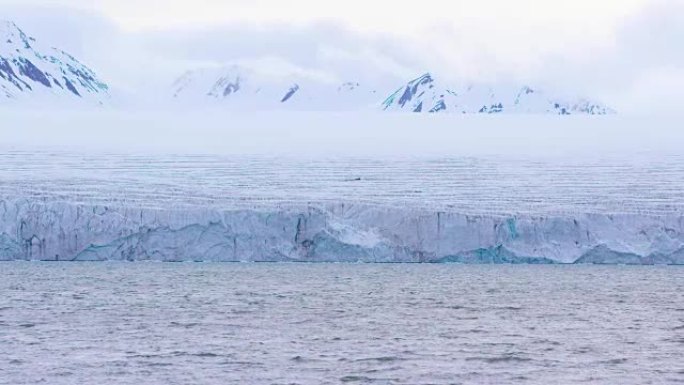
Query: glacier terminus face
[333, 233]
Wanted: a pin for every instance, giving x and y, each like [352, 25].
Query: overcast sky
[628, 53]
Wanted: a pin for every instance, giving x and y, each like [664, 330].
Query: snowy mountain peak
[29, 70]
[237, 84]
[411, 96]
[424, 94]
[11, 34]
[243, 88]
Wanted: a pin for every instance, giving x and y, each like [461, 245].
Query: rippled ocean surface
[147, 323]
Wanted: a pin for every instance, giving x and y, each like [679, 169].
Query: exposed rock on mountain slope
[30, 70]
[241, 88]
[424, 94]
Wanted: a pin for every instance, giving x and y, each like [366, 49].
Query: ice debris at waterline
[51, 231]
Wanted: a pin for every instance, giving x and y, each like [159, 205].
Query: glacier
[170, 207]
[315, 188]
[59, 231]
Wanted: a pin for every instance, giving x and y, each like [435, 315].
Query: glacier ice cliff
[32, 229]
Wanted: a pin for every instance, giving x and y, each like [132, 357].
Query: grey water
[155, 323]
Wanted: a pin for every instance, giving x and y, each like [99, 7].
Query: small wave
[499, 359]
[366, 380]
[511, 308]
[184, 324]
[160, 364]
[379, 359]
[27, 325]
[583, 350]
[614, 361]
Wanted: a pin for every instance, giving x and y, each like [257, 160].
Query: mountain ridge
[240, 87]
[40, 74]
[425, 94]
[27, 67]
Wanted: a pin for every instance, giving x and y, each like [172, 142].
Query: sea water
[156, 323]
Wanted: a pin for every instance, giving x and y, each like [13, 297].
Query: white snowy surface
[470, 185]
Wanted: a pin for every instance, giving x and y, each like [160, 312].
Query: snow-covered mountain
[241, 88]
[424, 94]
[32, 71]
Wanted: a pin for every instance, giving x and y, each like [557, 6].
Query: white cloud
[363, 14]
